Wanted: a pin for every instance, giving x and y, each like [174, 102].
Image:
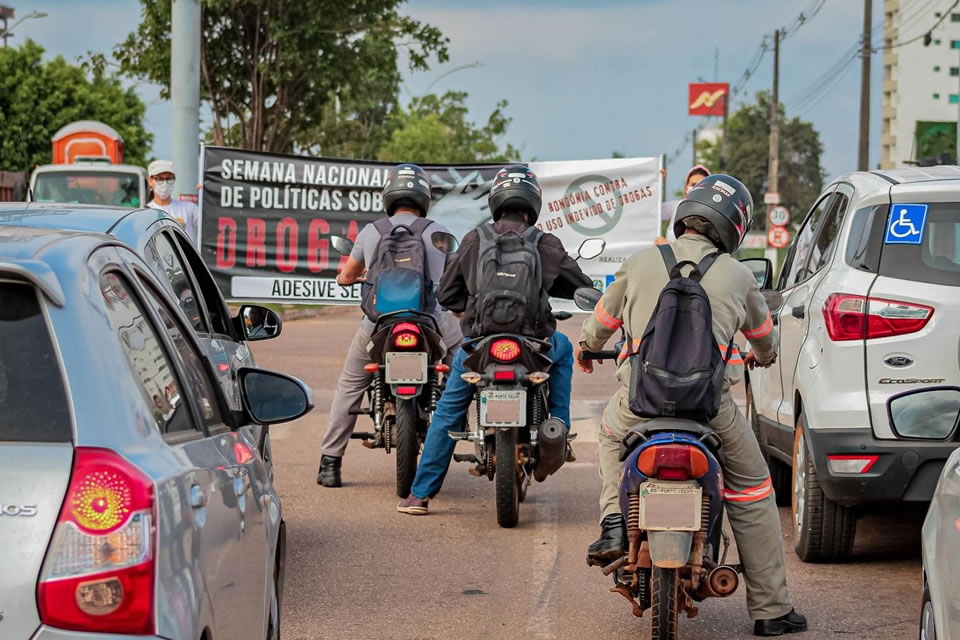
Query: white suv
[871, 310]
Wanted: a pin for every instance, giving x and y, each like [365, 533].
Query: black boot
[611, 544]
[329, 473]
[793, 622]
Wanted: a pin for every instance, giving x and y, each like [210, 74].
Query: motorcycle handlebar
[600, 355]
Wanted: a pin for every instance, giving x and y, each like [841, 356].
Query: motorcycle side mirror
[762, 270]
[774, 300]
[562, 315]
[259, 323]
[591, 248]
[446, 242]
[586, 298]
[342, 245]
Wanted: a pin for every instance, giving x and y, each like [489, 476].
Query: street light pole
[185, 94]
[6, 13]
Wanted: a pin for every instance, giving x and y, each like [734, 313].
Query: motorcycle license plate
[406, 368]
[503, 408]
[670, 506]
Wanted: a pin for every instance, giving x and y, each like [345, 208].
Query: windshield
[88, 187]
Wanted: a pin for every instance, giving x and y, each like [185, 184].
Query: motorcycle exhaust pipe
[552, 448]
[722, 581]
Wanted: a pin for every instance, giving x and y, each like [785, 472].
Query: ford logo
[899, 361]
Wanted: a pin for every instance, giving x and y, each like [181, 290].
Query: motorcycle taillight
[505, 350]
[673, 462]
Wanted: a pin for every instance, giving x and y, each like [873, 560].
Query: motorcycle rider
[406, 196]
[713, 217]
[515, 204]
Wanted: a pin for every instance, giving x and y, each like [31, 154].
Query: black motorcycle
[407, 352]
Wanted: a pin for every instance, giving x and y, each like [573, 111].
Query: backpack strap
[670, 260]
[705, 264]
[383, 226]
[420, 225]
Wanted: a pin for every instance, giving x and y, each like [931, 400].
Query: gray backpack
[399, 277]
[509, 288]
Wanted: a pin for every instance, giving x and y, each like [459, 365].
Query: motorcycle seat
[643, 431]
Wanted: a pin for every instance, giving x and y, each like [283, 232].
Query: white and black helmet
[515, 187]
[407, 186]
[725, 203]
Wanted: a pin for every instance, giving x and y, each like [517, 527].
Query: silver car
[133, 501]
[162, 243]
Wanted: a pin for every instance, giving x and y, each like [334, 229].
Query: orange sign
[707, 98]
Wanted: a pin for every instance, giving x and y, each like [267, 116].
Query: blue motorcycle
[671, 496]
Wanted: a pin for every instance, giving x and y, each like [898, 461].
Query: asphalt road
[358, 569]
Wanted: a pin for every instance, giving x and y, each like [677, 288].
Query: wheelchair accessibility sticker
[905, 224]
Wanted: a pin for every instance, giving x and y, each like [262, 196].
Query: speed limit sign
[779, 216]
[778, 237]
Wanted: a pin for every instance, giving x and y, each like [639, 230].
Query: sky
[584, 79]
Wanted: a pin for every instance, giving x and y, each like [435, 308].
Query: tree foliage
[436, 130]
[748, 148]
[287, 75]
[38, 97]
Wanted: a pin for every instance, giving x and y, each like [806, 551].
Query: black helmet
[515, 187]
[725, 203]
[406, 186]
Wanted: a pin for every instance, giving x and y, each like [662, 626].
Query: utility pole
[694, 148]
[723, 132]
[185, 94]
[6, 14]
[774, 165]
[863, 155]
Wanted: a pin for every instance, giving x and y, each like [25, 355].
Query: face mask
[163, 189]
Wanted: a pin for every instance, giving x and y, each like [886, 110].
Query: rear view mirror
[446, 242]
[586, 298]
[259, 323]
[343, 246]
[762, 270]
[271, 397]
[925, 414]
[591, 248]
[774, 300]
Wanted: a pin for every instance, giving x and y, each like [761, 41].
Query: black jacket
[561, 275]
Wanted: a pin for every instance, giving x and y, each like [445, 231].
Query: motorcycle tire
[507, 480]
[665, 620]
[407, 445]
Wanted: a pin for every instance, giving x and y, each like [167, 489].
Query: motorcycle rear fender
[669, 549]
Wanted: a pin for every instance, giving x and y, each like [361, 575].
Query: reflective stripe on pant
[750, 505]
[351, 386]
[452, 410]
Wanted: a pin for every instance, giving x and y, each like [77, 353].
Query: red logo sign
[778, 237]
[707, 98]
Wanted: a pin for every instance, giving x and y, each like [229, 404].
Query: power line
[925, 34]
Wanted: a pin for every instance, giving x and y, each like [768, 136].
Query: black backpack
[677, 370]
[399, 277]
[509, 287]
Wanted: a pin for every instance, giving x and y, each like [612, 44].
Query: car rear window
[33, 399]
[933, 255]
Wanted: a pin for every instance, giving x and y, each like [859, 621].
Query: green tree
[435, 130]
[748, 147]
[271, 69]
[38, 97]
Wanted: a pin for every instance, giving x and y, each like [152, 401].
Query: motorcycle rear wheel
[664, 622]
[507, 480]
[407, 445]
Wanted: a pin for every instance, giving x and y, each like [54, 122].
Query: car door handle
[798, 312]
[198, 498]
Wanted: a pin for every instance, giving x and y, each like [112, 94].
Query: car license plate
[503, 408]
[406, 368]
[670, 506]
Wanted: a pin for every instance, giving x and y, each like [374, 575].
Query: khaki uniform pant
[351, 386]
[750, 503]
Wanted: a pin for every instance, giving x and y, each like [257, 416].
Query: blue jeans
[455, 402]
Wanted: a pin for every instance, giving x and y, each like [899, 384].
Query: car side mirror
[586, 298]
[270, 397]
[774, 300]
[762, 270]
[930, 413]
[259, 323]
[343, 246]
[445, 242]
[591, 248]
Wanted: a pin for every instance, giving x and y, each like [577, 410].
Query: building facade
[921, 81]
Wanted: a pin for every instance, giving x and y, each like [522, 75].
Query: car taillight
[406, 335]
[505, 350]
[851, 317]
[851, 464]
[672, 462]
[99, 571]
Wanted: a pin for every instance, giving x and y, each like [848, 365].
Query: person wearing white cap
[161, 177]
